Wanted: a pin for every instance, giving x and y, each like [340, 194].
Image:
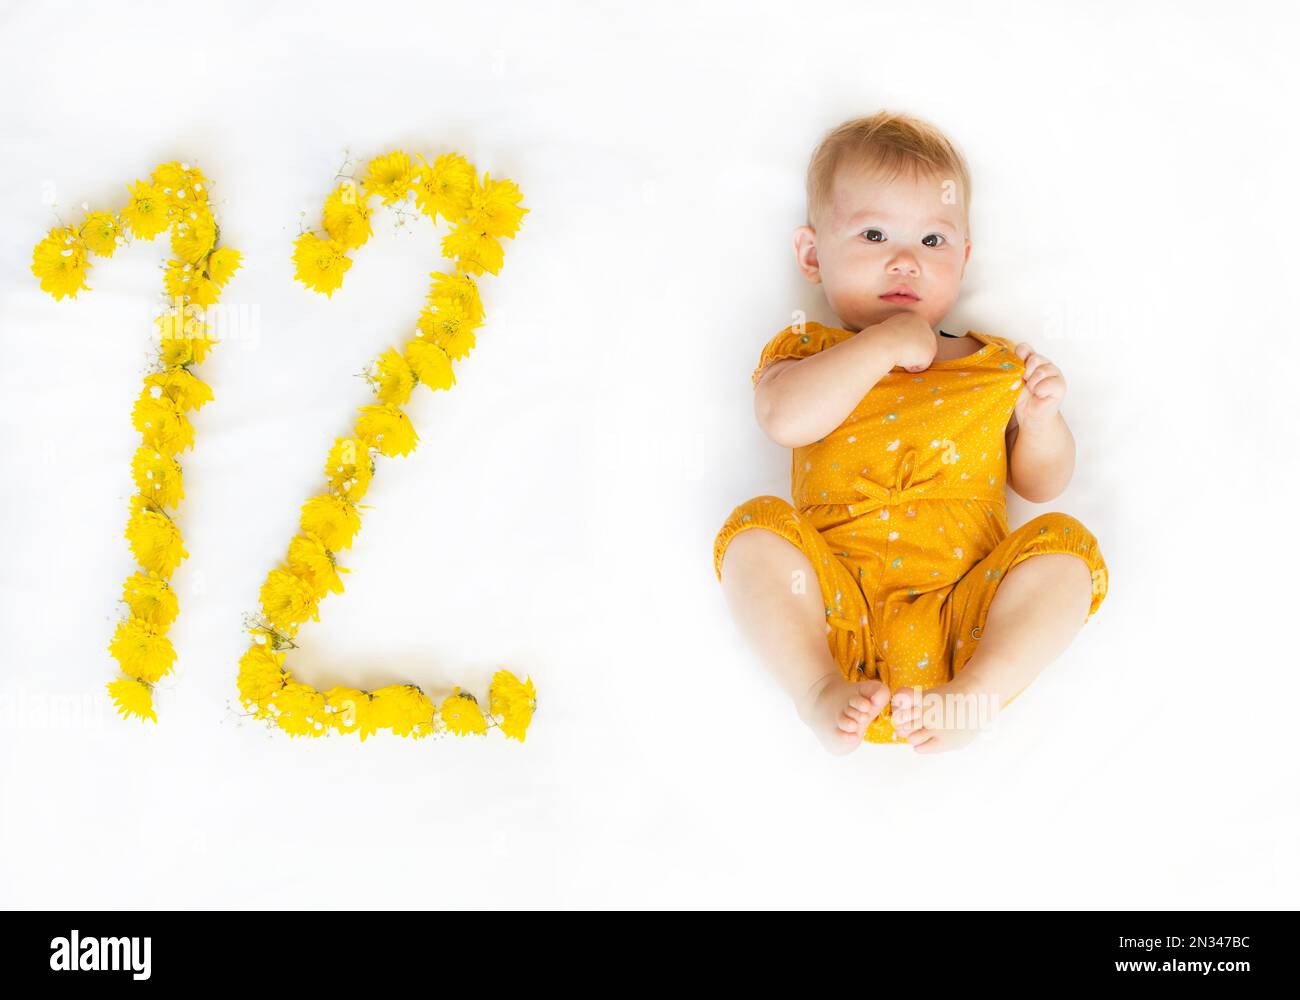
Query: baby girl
[890, 600]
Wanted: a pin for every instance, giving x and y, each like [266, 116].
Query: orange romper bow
[905, 489]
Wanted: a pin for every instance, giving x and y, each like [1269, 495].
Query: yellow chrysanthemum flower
[404, 709]
[158, 476]
[350, 711]
[445, 187]
[494, 207]
[183, 336]
[188, 283]
[299, 709]
[143, 650]
[390, 176]
[512, 701]
[261, 674]
[181, 183]
[386, 428]
[185, 350]
[161, 423]
[194, 235]
[222, 264]
[101, 232]
[314, 564]
[392, 378]
[450, 331]
[456, 294]
[59, 261]
[148, 212]
[332, 519]
[150, 599]
[461, 715]
[431, 364]
[154, 538]
[132, 698]
[181, 386]
[177, 278]
[319, 264]
[287, 600]
[348, 468]
[475, 249]
[347, 217]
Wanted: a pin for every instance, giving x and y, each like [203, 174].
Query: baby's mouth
[900, 297]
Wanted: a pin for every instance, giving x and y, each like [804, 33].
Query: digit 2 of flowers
[481, 214]
[174, 198]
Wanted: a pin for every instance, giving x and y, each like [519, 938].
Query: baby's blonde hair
[888, 143]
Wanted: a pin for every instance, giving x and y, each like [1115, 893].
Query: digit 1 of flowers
[174, 198]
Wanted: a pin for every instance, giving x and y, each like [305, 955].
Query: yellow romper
[902, 512]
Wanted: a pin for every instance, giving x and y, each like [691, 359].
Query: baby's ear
[805, 253]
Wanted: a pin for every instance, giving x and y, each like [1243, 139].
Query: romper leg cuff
[847, 630]
[1053, 532]
[1058, 532]
[768, 512]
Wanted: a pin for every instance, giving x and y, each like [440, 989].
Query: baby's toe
[906, 721]
[903, 701]
[847, 724]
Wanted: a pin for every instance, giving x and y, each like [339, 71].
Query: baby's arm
[1040, 460]
[798, 401]
[1040, 447]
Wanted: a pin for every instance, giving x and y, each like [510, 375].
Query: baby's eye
[867, 233]
[937, 236]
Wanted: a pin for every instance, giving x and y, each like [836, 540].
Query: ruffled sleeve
[798, 342]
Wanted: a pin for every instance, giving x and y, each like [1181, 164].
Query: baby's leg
[1035, 615]
[1036, 612]
[785, 625]
[1013, 613]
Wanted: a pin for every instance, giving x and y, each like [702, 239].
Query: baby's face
[877, 236]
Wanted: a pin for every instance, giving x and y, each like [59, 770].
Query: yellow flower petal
[461, 715]
[431, 364]
[512, 701]
[59, 261]
[390, 176]
[332, 519]
[386, 428]
[347, 217]
[392, 378]
[100, 231]
[148, 212]
[150, 599]
[154, 538]
[319, 264]
[132, 698]
[143, 650]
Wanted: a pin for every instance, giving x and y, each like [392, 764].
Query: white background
[1134, 219]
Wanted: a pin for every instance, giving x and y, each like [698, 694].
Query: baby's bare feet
[944, 717]
[839, 711]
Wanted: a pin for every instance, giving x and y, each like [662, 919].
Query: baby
[890, 600]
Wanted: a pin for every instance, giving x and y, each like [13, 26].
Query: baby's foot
[946, 717]
[839, 711]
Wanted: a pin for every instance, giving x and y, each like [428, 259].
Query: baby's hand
[913, 343]
[1044, 388]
